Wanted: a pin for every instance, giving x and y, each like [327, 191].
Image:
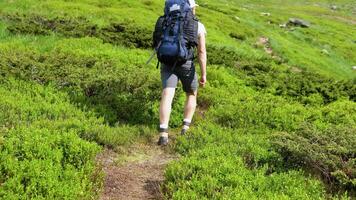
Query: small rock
[268, 50]
[354, 68]
[333, 7]
[298, 22]
[265, 14]
[324, 51]
[263, 41]
[282, 25]
[296, 69]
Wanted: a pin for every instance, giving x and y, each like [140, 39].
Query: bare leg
[166, 107]
[190, 105]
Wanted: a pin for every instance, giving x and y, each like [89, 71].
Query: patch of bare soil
[135, 174]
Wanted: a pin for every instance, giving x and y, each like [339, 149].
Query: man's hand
[202, 81]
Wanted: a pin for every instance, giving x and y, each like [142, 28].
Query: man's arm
[202, 59]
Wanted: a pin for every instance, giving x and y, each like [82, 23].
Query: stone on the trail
[354, 68]
[265, 14]
[298, 22]
[334, 7]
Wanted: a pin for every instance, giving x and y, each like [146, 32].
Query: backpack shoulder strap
[157, 34]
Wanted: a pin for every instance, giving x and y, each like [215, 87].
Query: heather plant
[66, 160]
[330, 152]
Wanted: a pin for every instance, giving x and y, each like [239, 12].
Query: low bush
[43, 107]
[42, 131]
[228, 55]
[307, 84]
[40, 25]
[262, 111]
[114, 33]
[127, 35]
[330, 153]
[24, 103]
[116, 90]
[219, 172]
[271, 75]
[239, 139]
[47, 164]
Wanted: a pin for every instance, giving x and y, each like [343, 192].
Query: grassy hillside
[279, 116]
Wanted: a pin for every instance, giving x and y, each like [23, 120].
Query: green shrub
[42, 131]
[260, 111]
[331, 153]
[213, 173]
[306, 84]
[47, 164]
[23, 103]
[127, 35]
[117, 91]
[268, 74]
[40, 25]
[114, 33]
[231, 56]
[237, 127]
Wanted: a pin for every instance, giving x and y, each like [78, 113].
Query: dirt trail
[136, 174]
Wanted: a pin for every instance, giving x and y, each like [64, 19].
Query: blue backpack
[173, 48]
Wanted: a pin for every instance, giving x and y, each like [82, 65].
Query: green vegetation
[263, 138]
[39, 135]
[279, 118]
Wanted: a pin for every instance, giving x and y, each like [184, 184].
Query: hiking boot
[163, 141]
[183, 131]
[185, 127]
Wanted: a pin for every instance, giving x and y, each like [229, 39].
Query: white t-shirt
[201, 29]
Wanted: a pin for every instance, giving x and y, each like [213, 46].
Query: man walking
[170, 75]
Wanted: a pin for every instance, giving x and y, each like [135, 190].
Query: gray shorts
[185, 73]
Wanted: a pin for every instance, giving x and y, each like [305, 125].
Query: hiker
[175, 42]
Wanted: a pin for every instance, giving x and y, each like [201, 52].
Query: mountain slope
[276, 121]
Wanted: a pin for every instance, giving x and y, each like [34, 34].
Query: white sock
[163, 134]
[187, 121]
[163, 126]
